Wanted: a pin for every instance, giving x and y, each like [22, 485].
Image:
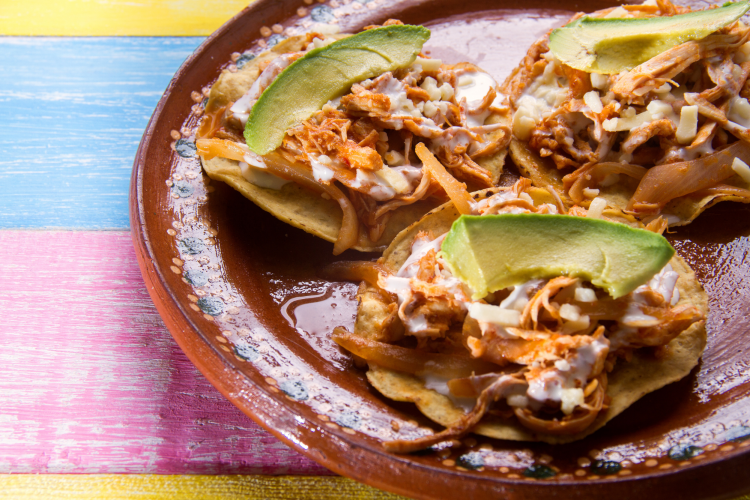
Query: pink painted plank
[92, 382]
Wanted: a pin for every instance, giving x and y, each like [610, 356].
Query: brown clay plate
[239, 292]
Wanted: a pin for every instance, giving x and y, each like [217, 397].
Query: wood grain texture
[153, 487]
[116, 17]
[74, 111]
[93, 383]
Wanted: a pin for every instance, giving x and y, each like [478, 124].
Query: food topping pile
[361, 145]
[538, 352]
[508, 311]
[659, 123]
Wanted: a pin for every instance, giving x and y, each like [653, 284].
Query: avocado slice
[326, 73]
[492, 252]
[609, 46]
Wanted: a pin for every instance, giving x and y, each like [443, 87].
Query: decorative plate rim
[217, 369]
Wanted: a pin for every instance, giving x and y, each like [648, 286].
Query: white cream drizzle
[373, 185]
[254, 170]
[473, 87]
[321, 171]
[519, 297]
[635, 317]
[665, 283]
[440, 385]
[564, 381]
[241, 108]
[419, 249]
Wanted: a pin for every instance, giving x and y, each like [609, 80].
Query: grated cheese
[593, 101]
[743, 54]
[494, 314]
[688, 128]
[590, 193]
[570, 312]
[742, 169]
[394, 158]
[599, 81]
[585, 295]
[394, 179]
[739, 111]
[596, 208]
[570, 399]
[429, 85]
[429, 65]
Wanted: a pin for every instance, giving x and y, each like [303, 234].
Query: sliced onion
[456, 190]
[726, 190]
[499, 389]
[558, 201]
[593, 174]
[663, 183]
[349, 231]
[210, 148]
[402, 359]
[473, 386]
[578, 421]
[422, 190]
[355, 271]
[344, 175]
[279, 166]
[211, 121]
[660, 224]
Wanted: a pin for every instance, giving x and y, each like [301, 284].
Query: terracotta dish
[240, 293]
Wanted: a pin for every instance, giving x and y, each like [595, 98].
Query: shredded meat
[530, 315]
[560, 344]
[709, 73]
[504, 385]
[427, 305]
[329, 137]
[360, 142]
[362, 102]
[639, 135]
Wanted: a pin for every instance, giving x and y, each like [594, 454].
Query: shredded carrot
[210, 148]
[456, 190]
[651, 9]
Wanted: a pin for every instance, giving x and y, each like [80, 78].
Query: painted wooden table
[96, 399]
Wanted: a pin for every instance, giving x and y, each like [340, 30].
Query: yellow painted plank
[115, 17]
[193, 487]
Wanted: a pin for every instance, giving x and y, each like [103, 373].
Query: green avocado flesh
[326, 73]
[609, 46]
[492, 252]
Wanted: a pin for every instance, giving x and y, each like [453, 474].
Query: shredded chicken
[547, 369]
[642, 110]
[364, 143]
[503, 385]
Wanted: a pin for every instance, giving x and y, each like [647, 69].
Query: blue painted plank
[72, 112]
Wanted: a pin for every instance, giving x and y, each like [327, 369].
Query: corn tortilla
[293, 204]
[628, 382]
